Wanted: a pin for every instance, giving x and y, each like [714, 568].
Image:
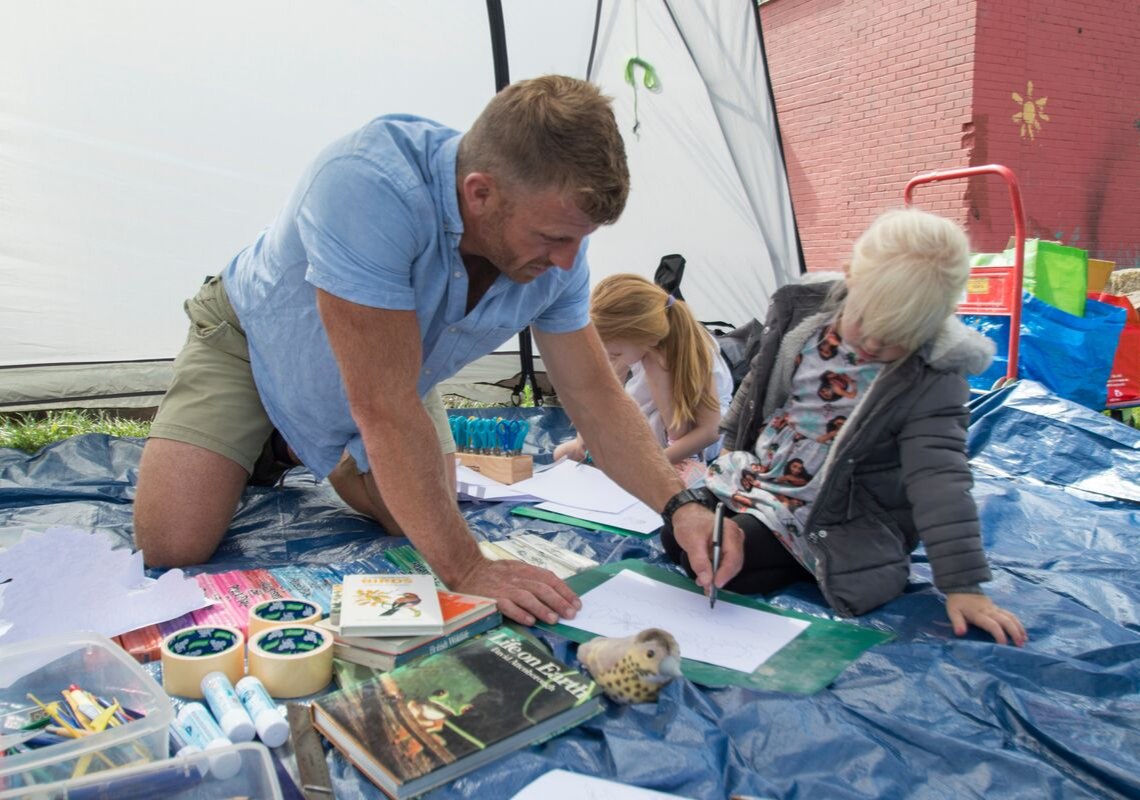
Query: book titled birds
[464, 616]
[430, 721]
[390, 605]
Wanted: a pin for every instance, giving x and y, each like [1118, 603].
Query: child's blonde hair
[907, 275]
[627, 307]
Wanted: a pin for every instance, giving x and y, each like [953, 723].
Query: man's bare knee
[184, 502]
[360, 492]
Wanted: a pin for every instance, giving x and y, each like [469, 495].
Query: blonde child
[676, 373]
[846, 443]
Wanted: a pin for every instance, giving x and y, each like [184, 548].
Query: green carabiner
[650, 78]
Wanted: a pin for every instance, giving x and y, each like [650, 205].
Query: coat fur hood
[958, 348]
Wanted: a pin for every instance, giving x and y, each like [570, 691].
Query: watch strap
[684, 497]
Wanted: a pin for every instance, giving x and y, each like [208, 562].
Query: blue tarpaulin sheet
[927, 715]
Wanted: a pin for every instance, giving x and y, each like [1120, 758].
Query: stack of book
[379, 624]
[428, 722]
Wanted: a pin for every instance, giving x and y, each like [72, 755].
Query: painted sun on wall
[1032, 112]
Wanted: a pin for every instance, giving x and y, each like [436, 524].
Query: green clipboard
[552, 516]
[807, 664]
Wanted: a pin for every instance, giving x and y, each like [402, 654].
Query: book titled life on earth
[428, 722]
[390, 605]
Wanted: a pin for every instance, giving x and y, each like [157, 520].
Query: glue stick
[272, 728]
[231, 715]
[181, 744]
[203, 731]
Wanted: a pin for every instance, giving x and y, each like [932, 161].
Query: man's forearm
[412, 479]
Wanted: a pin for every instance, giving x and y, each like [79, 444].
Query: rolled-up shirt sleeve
[353, 252]
[570, 311]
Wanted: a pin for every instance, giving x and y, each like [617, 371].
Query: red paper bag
[1124, 383]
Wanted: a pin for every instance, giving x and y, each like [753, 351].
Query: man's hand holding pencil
[694, 527]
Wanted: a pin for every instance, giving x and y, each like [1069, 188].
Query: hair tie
[669, 301]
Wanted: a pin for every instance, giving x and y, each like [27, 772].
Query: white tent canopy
[143, 143]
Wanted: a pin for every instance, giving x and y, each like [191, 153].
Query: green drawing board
[807, 664]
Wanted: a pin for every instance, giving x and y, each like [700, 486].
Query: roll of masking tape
[191, 653]
[293, 660]
[283, 611]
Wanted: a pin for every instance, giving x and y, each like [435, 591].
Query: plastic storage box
[184, 778]
[45, 667]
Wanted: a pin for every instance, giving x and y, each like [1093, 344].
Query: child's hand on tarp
[981, 612]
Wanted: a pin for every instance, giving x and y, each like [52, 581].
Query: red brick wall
[872, 92]
[869, 93]
[1080, 170]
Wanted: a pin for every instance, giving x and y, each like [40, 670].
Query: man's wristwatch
[684, 497]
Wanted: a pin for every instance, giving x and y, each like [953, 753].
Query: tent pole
[502, 79]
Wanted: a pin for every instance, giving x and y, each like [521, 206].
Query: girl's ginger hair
[630, 308]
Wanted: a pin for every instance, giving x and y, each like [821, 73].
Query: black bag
[739, 346]
[669, 273]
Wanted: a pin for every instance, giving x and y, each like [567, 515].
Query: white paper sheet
[578, 485]
[558, 784]
[67, 579]
[477, 486]
[729, 635]
[533, 549]
[638, 517]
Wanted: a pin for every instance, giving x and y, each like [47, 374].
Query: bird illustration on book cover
[406, 600]
[440, 709]
[373, 598]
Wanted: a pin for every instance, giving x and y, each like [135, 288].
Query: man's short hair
[552, 132]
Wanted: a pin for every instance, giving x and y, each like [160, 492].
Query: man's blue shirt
[376, 221]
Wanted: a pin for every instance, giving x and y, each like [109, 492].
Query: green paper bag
[1054, 273]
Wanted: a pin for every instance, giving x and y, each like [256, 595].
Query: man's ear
[480, 193]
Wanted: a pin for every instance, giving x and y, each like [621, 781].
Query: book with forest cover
[428, 722]
[389, 605]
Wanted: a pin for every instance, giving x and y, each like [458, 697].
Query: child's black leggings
[768, 565]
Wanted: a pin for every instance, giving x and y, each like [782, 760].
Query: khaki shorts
[213, 403]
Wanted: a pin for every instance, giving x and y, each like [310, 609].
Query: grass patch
[30, 432]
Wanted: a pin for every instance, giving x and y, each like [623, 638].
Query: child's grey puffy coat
[896, 474]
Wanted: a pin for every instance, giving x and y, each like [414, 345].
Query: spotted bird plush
[632, 669]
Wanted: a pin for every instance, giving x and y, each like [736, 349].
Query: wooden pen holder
[504, 469]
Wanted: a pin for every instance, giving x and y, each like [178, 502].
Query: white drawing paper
[558, 784]
[472, 485]
[729, 635]
[67, 579]
[577, 485]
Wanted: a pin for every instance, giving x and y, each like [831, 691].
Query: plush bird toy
[632, 669]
